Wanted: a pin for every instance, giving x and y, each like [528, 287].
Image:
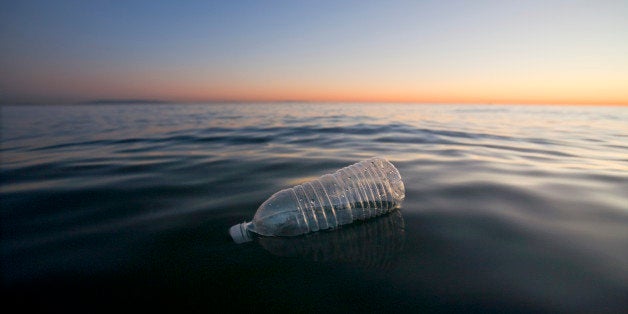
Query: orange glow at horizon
[479, 89]
[459, 92]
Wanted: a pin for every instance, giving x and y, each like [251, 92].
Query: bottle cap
[239, 234]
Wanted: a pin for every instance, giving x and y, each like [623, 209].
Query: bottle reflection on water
[372, 244]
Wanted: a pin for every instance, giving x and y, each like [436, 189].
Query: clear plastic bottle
[363, 190]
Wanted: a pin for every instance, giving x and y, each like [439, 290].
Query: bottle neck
[240, 233]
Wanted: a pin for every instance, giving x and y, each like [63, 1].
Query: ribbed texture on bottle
[357, 192]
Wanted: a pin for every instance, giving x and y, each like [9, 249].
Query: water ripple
[498, 198]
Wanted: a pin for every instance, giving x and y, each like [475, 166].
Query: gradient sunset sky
[378, 51]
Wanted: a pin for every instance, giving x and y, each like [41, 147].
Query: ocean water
[507, 209]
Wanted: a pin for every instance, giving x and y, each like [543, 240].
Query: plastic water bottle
[363, 190]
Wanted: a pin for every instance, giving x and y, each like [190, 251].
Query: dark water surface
[508, 208]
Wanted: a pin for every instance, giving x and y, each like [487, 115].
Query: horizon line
[148, 101]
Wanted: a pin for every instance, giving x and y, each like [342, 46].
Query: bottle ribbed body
[363, 190]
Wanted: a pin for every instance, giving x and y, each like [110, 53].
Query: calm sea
[507, 209]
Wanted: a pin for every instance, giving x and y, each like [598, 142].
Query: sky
[548, 51]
